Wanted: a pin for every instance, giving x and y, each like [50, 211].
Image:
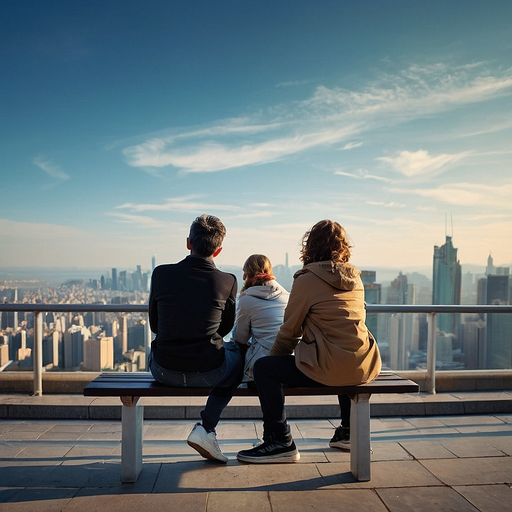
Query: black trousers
[271, 373]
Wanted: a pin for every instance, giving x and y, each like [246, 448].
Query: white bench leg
[360, 448]
[131, 441]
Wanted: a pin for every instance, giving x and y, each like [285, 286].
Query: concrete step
[49, 406]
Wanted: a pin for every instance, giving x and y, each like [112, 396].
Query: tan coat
[324, 323]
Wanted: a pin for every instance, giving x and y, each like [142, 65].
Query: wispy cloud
[139, 220]
[416, 163]
[506, 125]
[331, 116]
[213, 156]
[182, 204]
[415, 91]
[53, 170]
[361, 174]
[293, 83]
[465, 194]
[391, 204]
[351, 145]
[255, 215]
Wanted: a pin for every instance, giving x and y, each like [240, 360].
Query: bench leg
[360, 437]
[131, 441]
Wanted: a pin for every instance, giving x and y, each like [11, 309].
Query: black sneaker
[270, 451]
[341, 439]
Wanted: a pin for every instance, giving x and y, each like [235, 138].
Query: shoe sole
[340, 446]
[271, 459]
[205, 453]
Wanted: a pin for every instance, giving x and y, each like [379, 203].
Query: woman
[260, 310]
[324, 323]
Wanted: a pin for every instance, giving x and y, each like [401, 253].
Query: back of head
[257, 270]
[326, 240]
[206, 235]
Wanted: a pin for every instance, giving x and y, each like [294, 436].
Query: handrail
[438, 308]
[76, 308]
[431, 310]
[143, 308]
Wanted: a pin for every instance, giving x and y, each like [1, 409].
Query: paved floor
[424, 463]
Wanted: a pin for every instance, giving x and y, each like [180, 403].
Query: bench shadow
[40, 482]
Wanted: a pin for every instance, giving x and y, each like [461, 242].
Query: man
[191, 309]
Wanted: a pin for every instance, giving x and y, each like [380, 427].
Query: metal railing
[430, 310]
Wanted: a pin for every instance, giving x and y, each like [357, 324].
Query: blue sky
[121, 121]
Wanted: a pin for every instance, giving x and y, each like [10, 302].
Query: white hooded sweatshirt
[259, 315]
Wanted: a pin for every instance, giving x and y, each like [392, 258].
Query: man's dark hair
[206, 235]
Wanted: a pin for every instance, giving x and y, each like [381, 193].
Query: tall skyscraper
[446, 289]
[499, 325]
[489, 269]
[403, 329]
[446, 283]
[398, 290]
[114, 279]
[372, 295]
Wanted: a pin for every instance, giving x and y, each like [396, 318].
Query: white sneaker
[205, 443]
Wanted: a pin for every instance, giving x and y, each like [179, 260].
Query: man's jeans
[224, 380]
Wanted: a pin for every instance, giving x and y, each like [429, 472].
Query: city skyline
[122, 121]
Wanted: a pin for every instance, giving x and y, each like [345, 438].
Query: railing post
[38, 353]
[147, 339]
[431, 353]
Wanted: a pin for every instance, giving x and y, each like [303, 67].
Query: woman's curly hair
[326, 240]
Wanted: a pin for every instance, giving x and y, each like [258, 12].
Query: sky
[121, 121]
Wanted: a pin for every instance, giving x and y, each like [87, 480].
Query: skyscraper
[489, 269]
[114, 279]
[446, 289]
[372, 295]
[499, 325]
[446, 284]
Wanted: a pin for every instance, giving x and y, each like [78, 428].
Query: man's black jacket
[191, 306]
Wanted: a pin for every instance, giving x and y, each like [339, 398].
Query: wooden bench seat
[130, 387]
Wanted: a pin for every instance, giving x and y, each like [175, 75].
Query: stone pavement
[422, 463]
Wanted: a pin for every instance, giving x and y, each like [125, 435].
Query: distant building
[489, 269]
[499, 325]
[18, 350]
[405, 330]
[474, 336]
[446, 283]
[136, 336]
[9, 318]
[372, 295]
[284, 276]
[51, 344]
[4, 352]
[73, 345]
[114, 279]
[99, 354]
[398, 290]
[368, 276]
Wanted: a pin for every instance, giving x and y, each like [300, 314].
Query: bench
[132, 386]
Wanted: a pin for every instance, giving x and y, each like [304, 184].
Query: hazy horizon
[61, 274]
